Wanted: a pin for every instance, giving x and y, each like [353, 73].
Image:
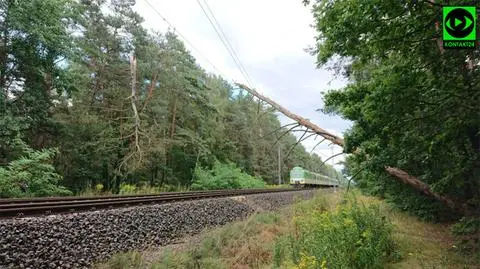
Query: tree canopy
[87, 89]
[414, 105]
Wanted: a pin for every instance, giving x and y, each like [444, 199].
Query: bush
[224, 176]
[352, 236]
[127, 188]
[99, 187]
[467, 232]
[97, 190]
[31, 175]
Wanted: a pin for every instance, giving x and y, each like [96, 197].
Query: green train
[300, 177]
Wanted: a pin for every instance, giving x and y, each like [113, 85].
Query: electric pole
[332, 170]
[279, 167]
[332, 163]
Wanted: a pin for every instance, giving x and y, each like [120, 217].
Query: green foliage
[467, 231]
[31, 175]
[466, 226]
[224, 176]
[99, 187]
[132, 259]
[127, 188]
[351, 236]
[413, 105]
[66, 84]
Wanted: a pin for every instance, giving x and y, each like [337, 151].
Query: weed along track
[39, 206]
[80, 239]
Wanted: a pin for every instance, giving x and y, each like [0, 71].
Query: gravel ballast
[78, 240]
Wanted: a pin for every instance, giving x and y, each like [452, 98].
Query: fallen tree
[399, 174]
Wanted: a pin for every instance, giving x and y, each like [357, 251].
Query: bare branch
[123, 118]
[308, 131]
[302, 121]
[278, 139]
[333, 156]
[265, 113]
[398, 173]
[301, 137]
[125, 137]
[298, 142]
[432, 3]
[317, 145]
[358, 172]
[133, 98]
[278, 129]
[150, 91]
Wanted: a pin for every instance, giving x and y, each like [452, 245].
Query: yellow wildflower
[307, 262]
[324, 265]
[348, 222]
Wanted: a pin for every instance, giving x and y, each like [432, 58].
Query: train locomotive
[300, 177]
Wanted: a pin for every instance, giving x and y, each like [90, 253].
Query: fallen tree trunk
[300, 120]
[426, 189]
[399, 174]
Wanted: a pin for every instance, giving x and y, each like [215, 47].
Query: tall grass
[351, 236]
[245, 244]
[125, 189]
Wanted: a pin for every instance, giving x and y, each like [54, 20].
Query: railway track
[49, 205]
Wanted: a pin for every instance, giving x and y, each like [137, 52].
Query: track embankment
[50, 205]
[78, 240]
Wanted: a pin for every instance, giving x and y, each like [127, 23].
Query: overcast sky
[269, 37]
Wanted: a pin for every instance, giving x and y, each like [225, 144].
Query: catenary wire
[185, 39]
[225, 42]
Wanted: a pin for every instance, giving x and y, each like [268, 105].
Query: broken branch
[396, 172]
[302, 121]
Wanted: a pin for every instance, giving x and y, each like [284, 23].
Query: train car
[300, 177]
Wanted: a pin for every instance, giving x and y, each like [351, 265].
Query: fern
[31, 175]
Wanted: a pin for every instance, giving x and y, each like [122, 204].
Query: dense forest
[91, 98]
[414, 104]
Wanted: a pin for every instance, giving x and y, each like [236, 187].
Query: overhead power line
[185, 39]
[249, 79]
[221, 34]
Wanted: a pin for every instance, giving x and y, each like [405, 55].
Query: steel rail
[40, 207]
[80, 198]
[59, 201]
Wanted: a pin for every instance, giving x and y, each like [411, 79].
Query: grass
[253, 243]
[352, 234]
[426, 245]
[277, 186]
[244, 244]
[128, 189]
[125, 189]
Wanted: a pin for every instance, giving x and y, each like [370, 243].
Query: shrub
[127, 188]
[224, 176]
[31, 175]
[352, 236]
[99, 187]
[467, 232]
